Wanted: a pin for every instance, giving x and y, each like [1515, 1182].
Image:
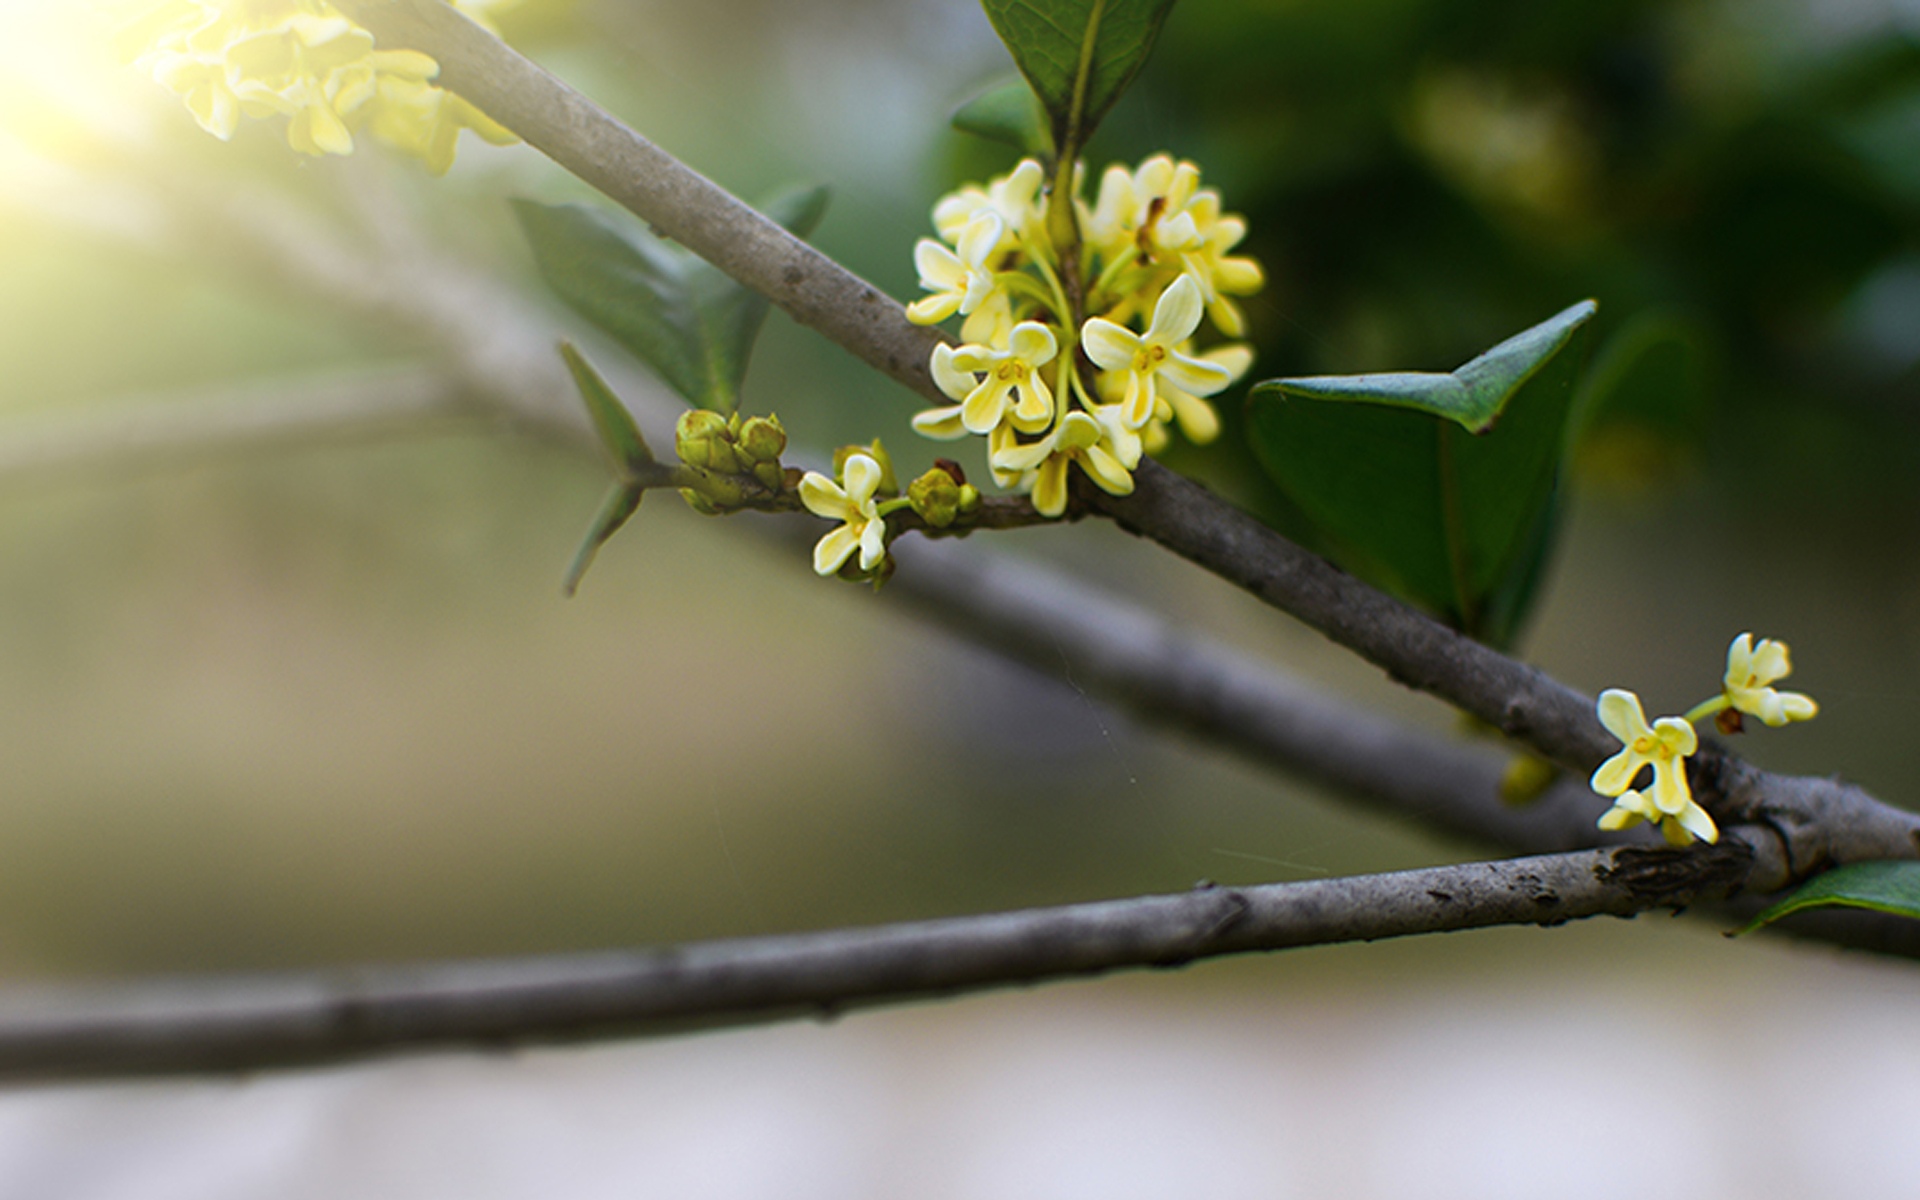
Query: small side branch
[304, 1019]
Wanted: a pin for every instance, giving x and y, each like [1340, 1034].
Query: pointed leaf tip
[1455, 513]
[1888, 887]
[611, 420]
[1010, 113]
[621, 503]
[1078, 55]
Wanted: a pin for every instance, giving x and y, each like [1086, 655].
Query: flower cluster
[304, 60]
[1665, 744]
[1152, 261]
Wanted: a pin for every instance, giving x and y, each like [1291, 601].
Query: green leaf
[611, 420]
[1458, 522]
[1474, 395]
[1079, 55]
[688, 321]
[621, 503]
[1888, 887]
[1007, 112]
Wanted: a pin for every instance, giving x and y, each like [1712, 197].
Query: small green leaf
[1008, 112]
[1888, 887]
[611, 420]
[621, 503]
[1460, 523]
[1473, 396]
[688, 321]
[1079, 55]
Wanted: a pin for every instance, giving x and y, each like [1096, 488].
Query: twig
[324, 1017]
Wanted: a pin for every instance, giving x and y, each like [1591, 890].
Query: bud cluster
[731, 461]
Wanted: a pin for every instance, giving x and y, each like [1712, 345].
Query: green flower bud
[699, 503]
[704, 439]
[969, 498]
[770, 475]
[935, 497]
[762, 439]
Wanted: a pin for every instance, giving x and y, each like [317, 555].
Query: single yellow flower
[960, 282]
[1664, 746]
[1078, 438]
[1681, 828]
[1015, 198]
[862, 528]
[1013, 388]
[1155, 355]
[1750, 669]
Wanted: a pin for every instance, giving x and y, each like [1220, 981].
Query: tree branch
[324, 1017]
[1180, 515]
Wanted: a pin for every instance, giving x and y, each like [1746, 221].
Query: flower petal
[1695, 821]
[1615, 775]
[823, 497]
[1177, 313]
[863, 476]
[1194, 375]
[1619, 710]
[1050, 487]
[1110, 346]
[873, 543]
[940, 424]
[831, 552]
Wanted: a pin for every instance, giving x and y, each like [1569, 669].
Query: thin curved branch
[297, 1019]
[1828, 822]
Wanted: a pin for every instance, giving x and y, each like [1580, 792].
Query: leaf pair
[1440, 486]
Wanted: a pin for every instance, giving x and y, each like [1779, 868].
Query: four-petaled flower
[960, 282]
[1631, 807]
[1750, 669]
[1155, 354]
[1013, 389]
[1015, 198]
[1664, 746]
[863, 528]
[1077, 438]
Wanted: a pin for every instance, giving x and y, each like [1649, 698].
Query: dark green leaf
[1474, 395]
[1888, 887]
[1079, 55]
[611, 420]
[1459, 523]
[1008, 112]
[621, 503]
[685, 319]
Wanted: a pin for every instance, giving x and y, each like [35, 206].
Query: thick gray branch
[295, 1019]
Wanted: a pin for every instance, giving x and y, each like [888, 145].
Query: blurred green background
[325, 705]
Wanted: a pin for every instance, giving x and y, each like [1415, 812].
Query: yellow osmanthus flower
[1015, 198]
[1664, 746]
[1680, 829]
[304, 60]
[1156, 354]
[960, 281]
[1077, 438]
[862, 528]
[1751, 669]
[1013, 387]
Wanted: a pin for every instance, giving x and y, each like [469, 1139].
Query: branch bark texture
[302, 1019]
